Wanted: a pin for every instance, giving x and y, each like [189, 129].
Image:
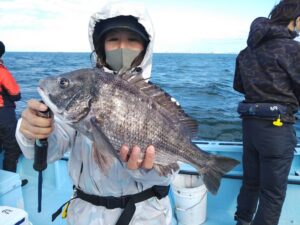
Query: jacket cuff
[26, 144]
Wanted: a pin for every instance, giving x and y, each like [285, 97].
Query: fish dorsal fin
[165, 100]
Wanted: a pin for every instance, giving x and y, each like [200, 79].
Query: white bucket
[190, 198]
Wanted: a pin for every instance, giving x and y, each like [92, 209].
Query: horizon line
[233, 53]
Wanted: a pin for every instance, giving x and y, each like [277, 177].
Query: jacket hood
[262, 30]
[111, 10]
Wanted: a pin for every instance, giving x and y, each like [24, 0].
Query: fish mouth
[45, 97]
[56, 111]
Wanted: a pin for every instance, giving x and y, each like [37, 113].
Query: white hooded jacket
[119, 181]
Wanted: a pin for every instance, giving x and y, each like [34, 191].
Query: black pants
[267, 157]
[8, 123]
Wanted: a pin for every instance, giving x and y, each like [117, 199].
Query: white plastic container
[13, 216]
[190, 199]
[10, 190]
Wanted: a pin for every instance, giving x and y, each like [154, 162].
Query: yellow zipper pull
[64, 212]
[278, 122]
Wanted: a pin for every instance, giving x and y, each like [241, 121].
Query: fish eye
[63, 82]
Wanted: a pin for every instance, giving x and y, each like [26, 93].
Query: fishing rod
[40, 158]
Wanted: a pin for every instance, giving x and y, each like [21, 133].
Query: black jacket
[268, 70]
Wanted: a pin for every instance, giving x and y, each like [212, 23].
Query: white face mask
[121, 58]
[297, 38]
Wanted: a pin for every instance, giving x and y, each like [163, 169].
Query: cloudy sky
[205, 26]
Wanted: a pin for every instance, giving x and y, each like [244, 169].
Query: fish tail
[216, 167]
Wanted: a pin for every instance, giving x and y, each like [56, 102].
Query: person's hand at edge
[33, 126]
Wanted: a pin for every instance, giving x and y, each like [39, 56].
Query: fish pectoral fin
[104, 152]
[166, 170]
[103, 160]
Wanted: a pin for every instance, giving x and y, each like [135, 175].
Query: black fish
[116, 109]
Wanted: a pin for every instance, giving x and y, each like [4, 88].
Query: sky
[183, 26]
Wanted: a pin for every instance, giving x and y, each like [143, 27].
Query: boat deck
[57, 189]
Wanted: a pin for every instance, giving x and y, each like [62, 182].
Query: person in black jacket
[9, 93]
[268, 74]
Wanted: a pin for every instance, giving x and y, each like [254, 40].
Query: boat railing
[235, 150]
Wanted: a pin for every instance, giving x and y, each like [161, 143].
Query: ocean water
[201, 83]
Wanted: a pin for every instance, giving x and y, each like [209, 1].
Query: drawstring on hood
[262, 30]
[113, 10]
